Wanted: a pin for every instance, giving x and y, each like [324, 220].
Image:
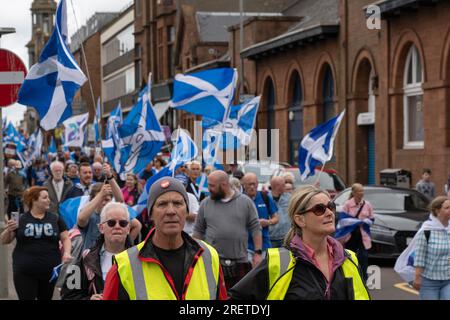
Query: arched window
[295, 115]
[328, 94]
[270, 114]
[413, 101]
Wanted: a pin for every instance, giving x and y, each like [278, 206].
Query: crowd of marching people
[253, 244]
[203, 227]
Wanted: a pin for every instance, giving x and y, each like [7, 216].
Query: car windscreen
[262, 172]
[326, 180]
[390, 200]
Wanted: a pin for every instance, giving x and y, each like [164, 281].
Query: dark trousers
[363, 259]
[32, 287]
[14, 205]
[232, 274]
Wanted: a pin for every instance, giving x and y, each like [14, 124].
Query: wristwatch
[258, 251]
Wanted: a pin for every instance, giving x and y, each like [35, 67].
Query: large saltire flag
[141, 135]
[316, 147]
[207, 93]
[51, 84]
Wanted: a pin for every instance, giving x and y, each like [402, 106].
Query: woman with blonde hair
[312, 265]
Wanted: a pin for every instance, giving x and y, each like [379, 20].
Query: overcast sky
[17, 14]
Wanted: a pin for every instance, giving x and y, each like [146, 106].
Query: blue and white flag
[115, 120]
[207, 93]
[238, 127]
[11, 135]
[346, 224]
[51, 84]
[97, 119]
[316, 147]
[74, 130]
[55, 272]
[183, 151]
[141, 135]
[71, 208]
[52, 147]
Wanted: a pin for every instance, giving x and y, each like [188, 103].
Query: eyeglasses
[112, 223]
[320, 209]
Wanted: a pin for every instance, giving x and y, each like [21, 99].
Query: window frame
[410, 90]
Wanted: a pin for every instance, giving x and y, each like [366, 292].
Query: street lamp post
[3, 249]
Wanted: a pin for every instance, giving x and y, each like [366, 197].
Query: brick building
[329, 59]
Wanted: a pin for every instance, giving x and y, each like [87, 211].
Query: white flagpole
[175, 151]
[318, 176]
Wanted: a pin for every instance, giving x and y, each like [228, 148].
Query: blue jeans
[434, 289]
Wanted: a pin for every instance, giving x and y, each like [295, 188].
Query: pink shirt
[311, 253]
[351, 207]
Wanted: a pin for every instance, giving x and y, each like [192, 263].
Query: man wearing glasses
[96, 261]
[169, 264]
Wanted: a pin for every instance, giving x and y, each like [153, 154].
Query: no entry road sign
[12, 74]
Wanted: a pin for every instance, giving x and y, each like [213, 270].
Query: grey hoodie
[226, 225]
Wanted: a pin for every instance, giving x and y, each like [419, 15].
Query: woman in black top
[37, 250]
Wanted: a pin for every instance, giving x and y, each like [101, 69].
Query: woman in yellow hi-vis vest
[169, 264]
[311, 265]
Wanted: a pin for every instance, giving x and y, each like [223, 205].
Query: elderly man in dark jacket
[57, 186]
[96, 261]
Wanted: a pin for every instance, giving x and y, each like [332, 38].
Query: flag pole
[318, 176]
[87, 69]
[175, 149]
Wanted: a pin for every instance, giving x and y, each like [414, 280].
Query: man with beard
[223, 220]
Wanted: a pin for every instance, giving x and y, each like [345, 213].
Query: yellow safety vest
[146, 280]
[281, 265]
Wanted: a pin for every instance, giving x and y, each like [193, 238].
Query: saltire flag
[51, 84]
[97, 119]
[63, 142]
[210, 145]
[115, 120]
[33, 149]
[316, 147]
[202, 183]
[111, 149]
[207, 93]
[186, 150]
[55, 272]
[70, 209]
[238, 127]
[74, 130]
[346, 224]
[11, 135]
[52, 146]
[142, 136]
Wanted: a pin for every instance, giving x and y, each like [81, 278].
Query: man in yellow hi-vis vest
[169, 264]
[312, 265]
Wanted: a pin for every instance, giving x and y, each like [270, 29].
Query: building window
[170, 48]
[413, 101]
[120, 44]
[160, 54]
[45, 23]
[295, 116]
[34, 19]
[328, 94]
[120, 84]
[270, 115]
[137, 4]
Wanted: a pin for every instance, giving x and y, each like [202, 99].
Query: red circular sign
[12, 74]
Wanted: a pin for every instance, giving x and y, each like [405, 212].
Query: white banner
[74, 130]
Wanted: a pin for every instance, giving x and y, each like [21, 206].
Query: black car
[398, 212]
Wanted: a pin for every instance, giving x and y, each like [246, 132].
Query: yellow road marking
[405, 287]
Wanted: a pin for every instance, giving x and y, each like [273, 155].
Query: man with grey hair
[194, 171]
[97, 172]
[96, 261]
[225, 219]
[57, 186]
[278, 192]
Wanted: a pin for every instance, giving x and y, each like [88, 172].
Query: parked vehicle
[398, 212]
[329, 180]
[264, 171]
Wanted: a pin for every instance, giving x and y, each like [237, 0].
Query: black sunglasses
[112, 223]
[320, 209]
